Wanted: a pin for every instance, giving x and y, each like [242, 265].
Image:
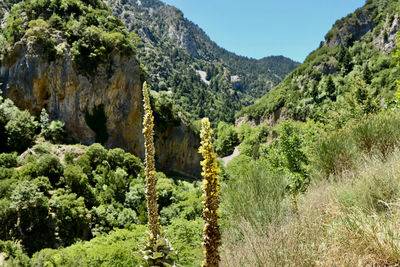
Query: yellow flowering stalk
[151, 181]
[211, 234]
[157, 249]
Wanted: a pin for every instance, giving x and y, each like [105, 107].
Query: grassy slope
[349, 215]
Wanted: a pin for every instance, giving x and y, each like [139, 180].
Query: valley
[130, 138]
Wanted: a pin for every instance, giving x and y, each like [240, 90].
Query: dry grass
[350, 220]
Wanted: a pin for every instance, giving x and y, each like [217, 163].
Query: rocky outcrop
[34, 83]
[350, 29]
[386, 41]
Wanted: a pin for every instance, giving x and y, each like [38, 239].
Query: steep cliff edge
[33, 83]
[90, 80]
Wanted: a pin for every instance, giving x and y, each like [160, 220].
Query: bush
[50, 166]
[186, 238]
[115, 157]
[251, 139]
[97, 154]
[21, 131]
[84, 162]
[55, 131]
[253, 193]
[133, 165]
[334, 152]
[9, 160]
[114, 249]
[41, 149]
[69, 157]
[377, 133]
[6, 173]
[14, 254]
[71, 215]
[227, 139]
[78, 182]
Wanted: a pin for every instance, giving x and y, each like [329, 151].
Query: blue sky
[260, 28]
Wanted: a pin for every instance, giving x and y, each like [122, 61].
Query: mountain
[184, 65]
[354, 64]
[77, 61]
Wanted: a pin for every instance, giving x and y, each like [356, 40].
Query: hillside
[322, 189]
[182, 62]
[77, 61]
[356, 57]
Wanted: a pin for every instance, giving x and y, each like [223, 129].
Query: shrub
[41, 149]
[226, 140]
[114, 249]
[334, 152]
[133, 165]
[55, 131]
[8, 160]
[69, 157]
[14, 254]
[254, 192]
[186, 237]
[84, 162]
[21, 131]
[6, 173]
[97, 154]
[50, 166]
[251, 139]
[115, 157]
[77, 180]
[71, 215]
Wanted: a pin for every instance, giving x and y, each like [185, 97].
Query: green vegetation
[251, 139]
[346, 189]
[337, 164]
[185, 66]
[227, 139]
[349, 65]
[55, 198]
[86, 27]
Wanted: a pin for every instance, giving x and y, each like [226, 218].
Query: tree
[21, 131]
[331, 89]
[54, 132]
[287, 155]
[50, 166]
[71, 217]
[226, 140]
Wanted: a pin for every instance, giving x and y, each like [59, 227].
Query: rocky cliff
[33, 83]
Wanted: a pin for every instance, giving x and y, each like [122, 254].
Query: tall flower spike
[211, 234]
[151, 193]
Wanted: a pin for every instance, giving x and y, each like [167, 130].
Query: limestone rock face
[386, 41]
[34, 83]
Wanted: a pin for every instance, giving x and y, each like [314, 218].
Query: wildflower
[211, 234]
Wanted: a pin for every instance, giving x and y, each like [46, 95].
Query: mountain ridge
[358, 47]
[178, 43]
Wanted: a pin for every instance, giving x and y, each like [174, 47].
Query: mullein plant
[157, 248]
[211, 234]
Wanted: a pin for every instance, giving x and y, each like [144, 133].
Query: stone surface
[34, 83]
[387, 39]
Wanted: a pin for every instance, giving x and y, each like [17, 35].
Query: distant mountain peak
[175, 52]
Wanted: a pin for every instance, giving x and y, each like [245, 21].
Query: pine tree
[331, 89]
